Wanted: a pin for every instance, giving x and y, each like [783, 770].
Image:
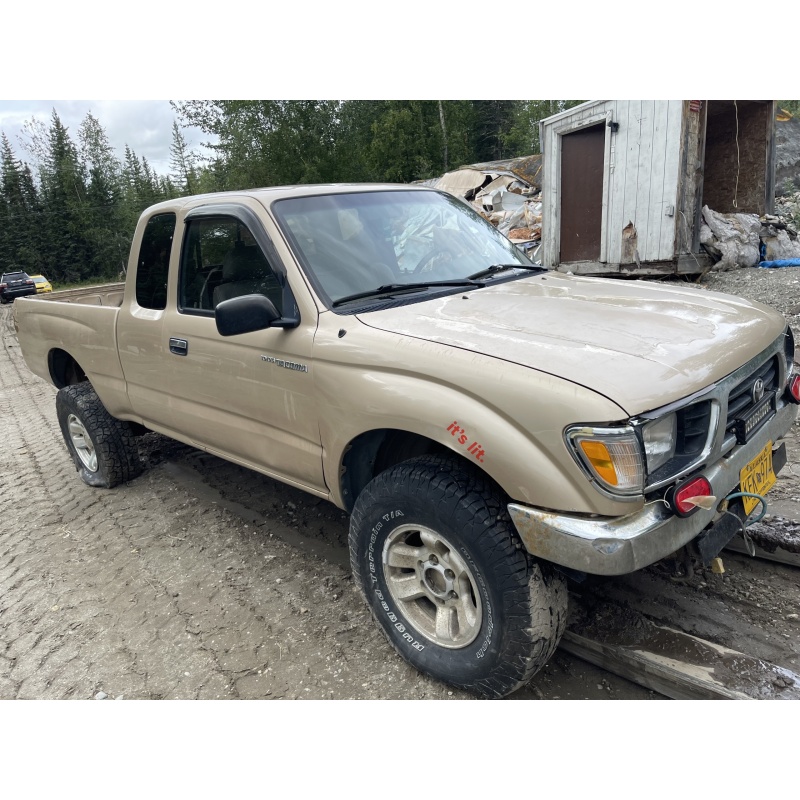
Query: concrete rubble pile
[747, 240]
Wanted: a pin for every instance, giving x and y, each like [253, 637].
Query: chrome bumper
[619, 545]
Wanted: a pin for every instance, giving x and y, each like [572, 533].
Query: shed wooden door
[582, 156]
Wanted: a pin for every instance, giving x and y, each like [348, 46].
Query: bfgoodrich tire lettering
[439, 564]
[103, 448]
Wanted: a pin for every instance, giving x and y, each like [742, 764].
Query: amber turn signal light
[601, 460]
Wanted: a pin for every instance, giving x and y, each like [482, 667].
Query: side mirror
[251, 312]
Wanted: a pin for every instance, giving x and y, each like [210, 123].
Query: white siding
[641, 173]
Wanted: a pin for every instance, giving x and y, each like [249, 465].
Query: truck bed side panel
[86, 332]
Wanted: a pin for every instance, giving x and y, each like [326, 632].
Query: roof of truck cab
[267, 195]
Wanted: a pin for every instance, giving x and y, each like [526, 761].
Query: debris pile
[507, 193]
[779, 241]
[747, 240]
[788, 207]
[731, 239]
[515, 216]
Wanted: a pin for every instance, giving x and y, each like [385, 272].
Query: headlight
[610, 456]
[788, 349]
[659, 441]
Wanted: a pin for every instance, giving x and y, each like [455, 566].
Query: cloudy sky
[144, 125]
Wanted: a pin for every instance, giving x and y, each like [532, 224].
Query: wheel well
[376, 451]
[64, 369]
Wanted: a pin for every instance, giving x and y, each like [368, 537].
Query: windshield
[352, 244]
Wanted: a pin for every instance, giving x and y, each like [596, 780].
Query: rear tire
[441, 568]
[102, 447]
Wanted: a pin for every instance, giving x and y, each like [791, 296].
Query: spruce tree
[20, 214]
[68, 253]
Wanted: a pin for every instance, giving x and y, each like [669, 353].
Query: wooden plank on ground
[736, 545]
[671, 662]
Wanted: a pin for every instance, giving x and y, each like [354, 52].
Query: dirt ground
[203, 580]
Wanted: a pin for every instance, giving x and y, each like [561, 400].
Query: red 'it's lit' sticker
[460, 435]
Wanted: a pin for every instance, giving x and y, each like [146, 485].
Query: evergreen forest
[69, 206]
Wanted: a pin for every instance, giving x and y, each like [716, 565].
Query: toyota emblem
[758, 390]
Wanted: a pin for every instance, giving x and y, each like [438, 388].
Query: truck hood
[639, 344]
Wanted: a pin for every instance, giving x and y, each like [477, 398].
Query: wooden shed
[625, 181]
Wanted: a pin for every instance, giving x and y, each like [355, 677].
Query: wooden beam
[671, 662]
[736, 545]
[647, 670]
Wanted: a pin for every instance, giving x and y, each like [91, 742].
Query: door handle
[178, 346]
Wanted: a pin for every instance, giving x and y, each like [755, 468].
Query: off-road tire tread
[535, 618]
[114, 441]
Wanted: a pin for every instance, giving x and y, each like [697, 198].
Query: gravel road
[204, 580]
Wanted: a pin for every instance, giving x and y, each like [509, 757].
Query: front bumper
[619, 545]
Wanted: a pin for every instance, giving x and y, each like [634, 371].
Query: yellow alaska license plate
[757, 477]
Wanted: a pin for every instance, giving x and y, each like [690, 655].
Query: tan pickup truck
[492, 427]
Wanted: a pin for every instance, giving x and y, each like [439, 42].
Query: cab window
[152, 268]
[221, 260]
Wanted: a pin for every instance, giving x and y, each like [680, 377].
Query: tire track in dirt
[146, 591]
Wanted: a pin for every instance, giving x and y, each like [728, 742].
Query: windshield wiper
[396, 288]
[503, 267]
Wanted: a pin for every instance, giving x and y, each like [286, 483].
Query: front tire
[440, 566]
[102, 447]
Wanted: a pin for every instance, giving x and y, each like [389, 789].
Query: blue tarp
[786, 262]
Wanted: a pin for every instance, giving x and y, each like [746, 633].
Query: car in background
[16, 284]
[42, 284]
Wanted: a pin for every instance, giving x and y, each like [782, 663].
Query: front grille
[693, 425]
[742, 401]
[704, 434]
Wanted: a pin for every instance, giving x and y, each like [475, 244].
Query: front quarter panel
[507, 419]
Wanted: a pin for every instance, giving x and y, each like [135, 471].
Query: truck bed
[108, 294]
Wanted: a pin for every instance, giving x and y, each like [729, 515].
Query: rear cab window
[152, 266]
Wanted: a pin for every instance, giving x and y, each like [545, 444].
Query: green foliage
[183, 163]
[405, 142]
[63, 193]
[19, 212]
[523, 133]
[278, 142]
